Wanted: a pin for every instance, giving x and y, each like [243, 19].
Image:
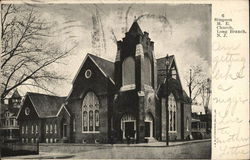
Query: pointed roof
[45, 105]
[135, 29]
[16, 94]
[105, 65]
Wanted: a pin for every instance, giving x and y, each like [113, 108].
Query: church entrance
[129, 129]
[148, 126]
[128, 126]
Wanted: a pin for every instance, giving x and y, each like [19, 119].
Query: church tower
[135, 79]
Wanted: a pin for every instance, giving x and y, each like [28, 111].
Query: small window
[74, 125]
[47, 128]
[27, 111]
[88, 73]
[55, 128]
[51, 128]
[22, 129]
[32, 129]
[36, 129]
[26, 129]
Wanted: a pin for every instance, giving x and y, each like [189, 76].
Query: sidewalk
[54, 148]
[161, 144]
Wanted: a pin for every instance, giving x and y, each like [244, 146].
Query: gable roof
[135, 29]
[105, 66]
[45, 105]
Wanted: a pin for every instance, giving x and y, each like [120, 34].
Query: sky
[180, 30]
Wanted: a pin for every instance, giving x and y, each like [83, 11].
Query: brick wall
[100, 85]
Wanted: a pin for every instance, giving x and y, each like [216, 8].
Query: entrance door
[129, 129]
[128, 126]
[147, 129]
[148, 126]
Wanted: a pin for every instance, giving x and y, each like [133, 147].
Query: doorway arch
[128, 126]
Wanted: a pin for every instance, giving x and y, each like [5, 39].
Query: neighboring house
[8, 125]
[43, 118]
[113, 101]
[201, 127]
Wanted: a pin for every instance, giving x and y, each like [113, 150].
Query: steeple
[135, 29]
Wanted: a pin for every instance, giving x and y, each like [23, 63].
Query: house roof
[45, 105]
[13, 110]
[16, 94]
[107, 66]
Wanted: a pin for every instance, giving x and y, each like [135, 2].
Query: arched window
[55, 128]
[85, 121]
[36, 129]
[97, 120]
[90, 113]
[90, 120]
[128, 71]
[147, 71]
[187, 121]
[172, 108]
[32, 129]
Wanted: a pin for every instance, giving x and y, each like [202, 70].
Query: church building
[114, 101]
[127, 98]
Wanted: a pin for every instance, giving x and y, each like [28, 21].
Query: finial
[134, 18]
[167, 61]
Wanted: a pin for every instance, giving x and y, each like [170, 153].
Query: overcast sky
[180, 30]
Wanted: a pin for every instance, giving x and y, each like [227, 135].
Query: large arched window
[90, 113]
[147, 71]
[172, 108]
[128, 71]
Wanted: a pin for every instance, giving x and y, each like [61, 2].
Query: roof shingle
[46, 105]
[108, 67]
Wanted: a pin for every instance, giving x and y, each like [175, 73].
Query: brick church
[115, 100]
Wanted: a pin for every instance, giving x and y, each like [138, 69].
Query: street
[200, 150]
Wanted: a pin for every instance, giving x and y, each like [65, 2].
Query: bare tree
[194, 82]
[27, 49]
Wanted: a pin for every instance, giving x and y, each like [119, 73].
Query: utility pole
[167, 116]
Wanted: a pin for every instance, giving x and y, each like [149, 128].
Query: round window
[88, 73]
[27, 111]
